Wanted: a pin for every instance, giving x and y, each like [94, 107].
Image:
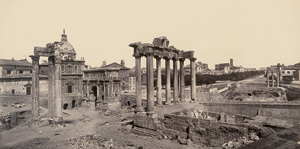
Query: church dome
[66, 50]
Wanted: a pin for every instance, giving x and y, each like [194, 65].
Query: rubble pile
[96, 142]
[241, 141]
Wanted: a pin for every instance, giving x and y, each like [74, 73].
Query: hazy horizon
[254, 33]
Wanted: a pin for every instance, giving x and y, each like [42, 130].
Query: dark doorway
[13, 91]
[128, 103]
[94, 89]
[28, 90]
[65, 106]
[73, 104]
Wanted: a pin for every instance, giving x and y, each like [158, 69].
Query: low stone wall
[280, 111]
[13, 119]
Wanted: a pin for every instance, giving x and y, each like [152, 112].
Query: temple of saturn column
[160, 50]
[54, 79]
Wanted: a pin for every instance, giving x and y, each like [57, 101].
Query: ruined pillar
[175, 81]
[158, 83]
[272, 79]
[182, 84]
[278, 78]
[138, 84]
[51, 86]
[57, 82]
[268, 81]
[150, 84]
[98, 90]
[88, 89]
[168, 82]
[193, 78]
[35, 104]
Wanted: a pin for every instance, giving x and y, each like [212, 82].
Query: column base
[139, 109]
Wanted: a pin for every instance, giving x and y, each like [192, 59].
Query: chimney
[104, 63]
[122, 63]
[231, 62]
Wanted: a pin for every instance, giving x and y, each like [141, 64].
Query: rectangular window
[28, 90]
[75, 69]
[8, 71]
[62, 68]
[13, 91]
[69, 89]
[21, 72]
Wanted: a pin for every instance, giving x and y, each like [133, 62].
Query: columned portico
[159, 49]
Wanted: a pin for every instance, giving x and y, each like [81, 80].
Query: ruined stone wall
[202, 131]
[6, 86]
[13, 119]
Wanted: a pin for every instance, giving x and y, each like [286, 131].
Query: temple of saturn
[160, 49]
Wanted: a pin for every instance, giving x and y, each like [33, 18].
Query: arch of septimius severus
[159, 50]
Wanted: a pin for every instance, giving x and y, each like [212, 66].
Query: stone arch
[65, 106]
[128, 103]
[94, 89]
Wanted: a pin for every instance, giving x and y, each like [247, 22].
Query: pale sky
[255, 33]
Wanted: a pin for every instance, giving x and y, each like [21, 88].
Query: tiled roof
[8, 62]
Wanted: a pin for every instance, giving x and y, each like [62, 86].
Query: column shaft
[278, 78]
[175, 81]
[272, 79]
[57, 81]
[150, 84]
[168, 82]
[268, 81]
[193, 79]
[35, 87]
[51, 87]
[158, 84]
[182, 84]
[138, 84]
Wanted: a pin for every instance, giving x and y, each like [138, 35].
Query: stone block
[144, 120]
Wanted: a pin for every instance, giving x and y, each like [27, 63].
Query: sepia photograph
[137, 74]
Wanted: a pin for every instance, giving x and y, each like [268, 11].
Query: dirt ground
[83, 121]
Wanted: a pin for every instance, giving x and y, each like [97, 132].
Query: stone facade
[104, 84]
